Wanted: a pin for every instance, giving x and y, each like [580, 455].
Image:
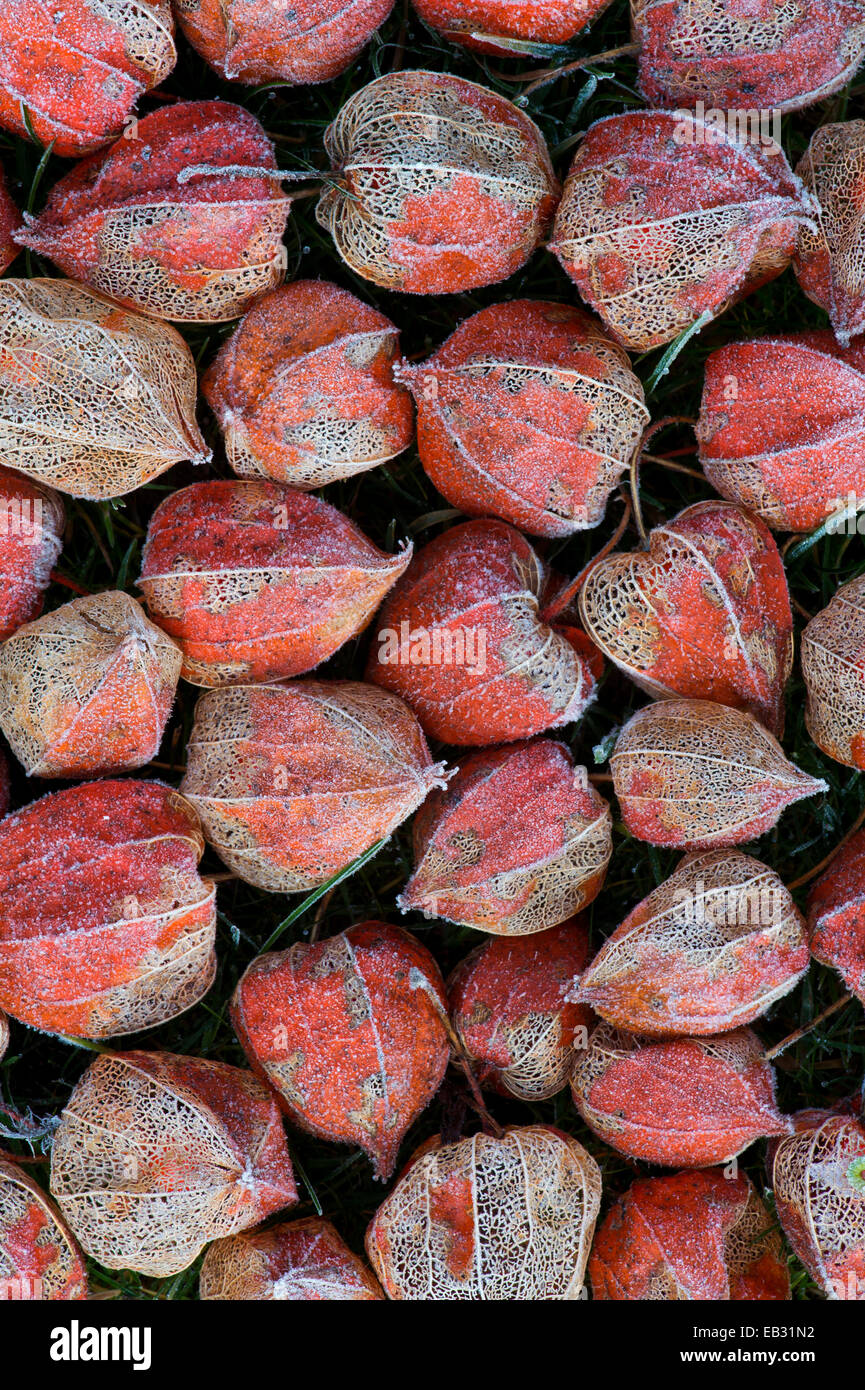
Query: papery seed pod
[155, 1155]
[31, 537]
[506, 29]
[256, 581]
[439, 185]
[690, 774]
[781, 428]
[830, 260]
[10, 220]
[818, 1176]
[528, 411]
[299, 1261]
[680, 1103]
[350, 1033]
[664, 219]
[836, 915]
[711, 948]
[4, 1035]
[461, 639]
[490, 1219]
[699, 1236]
[510, 1006]
[39, 1259]
[518, 841]
[72, 76]
[87, 690]
[747, 58]
[94, 400]
[304, 388]
[833, 667]
[180, 219]
[256, 41]
[294, 781]
[703, 613]
[105, 925]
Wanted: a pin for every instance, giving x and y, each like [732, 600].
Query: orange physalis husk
[350, 1033]
[260, 42]
[528, 412]
[491, 1219]
[507, 29]
[683, 1102]
[295, 781]
[698, 1236]
[31, 537]
[10, 220]
[818, 1176]
[690, 774]
[87, 690]
[833, 667]
[782, 427]
[461, 639]
[518, 841]
[298, 1262]
[749, 59]
[304, 388]
[156, 1155]
[94, 400]
[704, 613]
[510, 1006]
[439, 185]
[105, 925]
[664, 219]
[73, 75]
[830, 261]
[708, 950]
[256, 581]
[836, 915]
[39, 1259]
[180, 219]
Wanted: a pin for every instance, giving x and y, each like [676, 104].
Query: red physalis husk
[294, 781]
[297, 1261]
[818, 1177]
[836, 915]
[350, 1033]
[257, 41]
[490, 1219]
[833, 667]
[10, 220]
[31, 537]
[304, 388]
[711, 948]
[125, 409]
[682, 1102]
[72, 76]
[699, 1236]
[664, 218]
[529, 412]
[156, 1155]
[461, 639]
[830, 259]
[439, 185]
[105, 925]
[87, 690]
[782, 427]
[39, 1259]
[518, 841]
[746, 59]
[505, 28]
[256, 581]
[510, 1004]
[155, 223]
[703, 613]
[690, 774]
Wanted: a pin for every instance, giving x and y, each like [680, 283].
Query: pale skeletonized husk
[830, 261]
[4, 1035]
[38, 1255]
[818, 1176]
[833, 666]
[298, 1261]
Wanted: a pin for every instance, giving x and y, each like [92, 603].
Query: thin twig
[566, 594]
[824, 863]
[803, 1032]
[541, 76]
